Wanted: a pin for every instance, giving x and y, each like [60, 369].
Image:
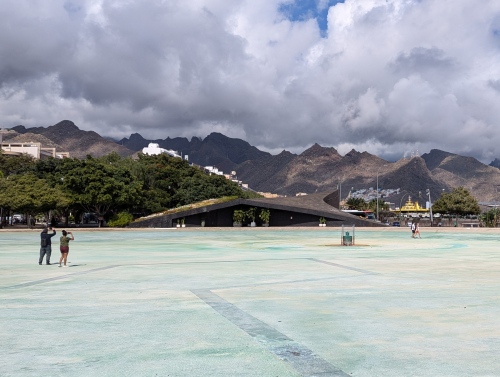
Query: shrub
[120, 220]
[239, 216]
[250, 213]
[264, 215]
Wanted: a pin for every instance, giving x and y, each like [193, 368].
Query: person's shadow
[70, 265]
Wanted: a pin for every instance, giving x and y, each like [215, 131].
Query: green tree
[160, 177]
[202, 187]
[491, 219]
[10, 165]
[458, 202]
[54, 171]
[358, 204]
[101, 187]
[169, 182]
[120, 220]
[382, 205]
[30, 195]
[383, 208]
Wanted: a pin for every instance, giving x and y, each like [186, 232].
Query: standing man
[46, 244]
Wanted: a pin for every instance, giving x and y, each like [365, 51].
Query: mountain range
[314, 170]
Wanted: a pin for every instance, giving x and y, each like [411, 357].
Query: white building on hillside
[34, 150]
[154, 149]
[213, 170]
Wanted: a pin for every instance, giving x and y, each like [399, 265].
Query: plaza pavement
[252, 302]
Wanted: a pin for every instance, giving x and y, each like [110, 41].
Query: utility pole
[340, 194]
[377, 189]
[340, 190]
[430, 204]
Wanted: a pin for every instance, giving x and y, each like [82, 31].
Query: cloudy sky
[384, 76]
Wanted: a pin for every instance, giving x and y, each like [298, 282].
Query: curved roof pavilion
[303, 210]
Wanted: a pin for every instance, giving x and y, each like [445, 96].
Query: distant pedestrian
[46, 245]
[64, 247]
[417, 230]
[413, 229]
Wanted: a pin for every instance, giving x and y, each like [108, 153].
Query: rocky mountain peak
[20, 129]
[495, 163]
[435, 157]
[285, 153]
[317, 151]
[64, 126]
[29, 137]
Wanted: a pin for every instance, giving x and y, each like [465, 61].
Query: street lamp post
[401, 201]
[340, 194]
[340, 191]
[400, 204]
[430, 204]
[377, 188]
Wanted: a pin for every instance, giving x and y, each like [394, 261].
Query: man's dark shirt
[47, 237]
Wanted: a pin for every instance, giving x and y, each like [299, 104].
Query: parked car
[396, 223]
[18, 219]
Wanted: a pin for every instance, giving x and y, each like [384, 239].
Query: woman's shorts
[64, 249]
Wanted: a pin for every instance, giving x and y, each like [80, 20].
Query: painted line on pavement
[42, 281]
[36, 282]
[301, 358]
[346, 267]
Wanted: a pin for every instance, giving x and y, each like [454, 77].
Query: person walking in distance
[46, 244]
[64, 247]
[417, 231]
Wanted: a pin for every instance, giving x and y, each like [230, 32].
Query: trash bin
[347, 239]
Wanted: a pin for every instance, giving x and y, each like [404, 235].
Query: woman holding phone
[64, 247]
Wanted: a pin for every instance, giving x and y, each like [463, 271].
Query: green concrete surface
[252, 302]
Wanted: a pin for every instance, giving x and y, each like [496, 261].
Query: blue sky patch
[300, 10]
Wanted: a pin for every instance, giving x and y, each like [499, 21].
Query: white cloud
[388, 76]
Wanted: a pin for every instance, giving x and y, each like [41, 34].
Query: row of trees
[106, 185]
[360, 204]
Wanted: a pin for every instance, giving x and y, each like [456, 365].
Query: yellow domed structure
[411, 207]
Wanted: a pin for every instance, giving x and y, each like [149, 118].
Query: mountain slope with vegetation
[316, 169]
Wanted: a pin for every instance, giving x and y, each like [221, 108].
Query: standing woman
[64, 247]
[417, 231]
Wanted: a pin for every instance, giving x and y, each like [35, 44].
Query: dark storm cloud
[422, 59]
[495, 84]
[386, 76]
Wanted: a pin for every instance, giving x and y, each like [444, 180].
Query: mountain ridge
[78, 142]
[316, 169]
